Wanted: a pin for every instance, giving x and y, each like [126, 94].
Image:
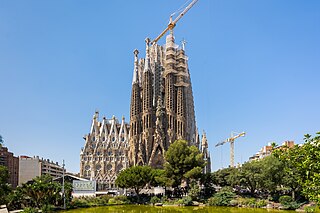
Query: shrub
[285, 199]
[194, 192]
[291, 206]
[261, 203]
[101, 200]
[154, 200]
[77, 202]
[222, 198]
[122, 199]
[47, 208]
[164, 199]
[119, 200]
[186, 201]
[310, 209]
[234, 202]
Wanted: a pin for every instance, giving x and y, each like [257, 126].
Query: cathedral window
[113, 138]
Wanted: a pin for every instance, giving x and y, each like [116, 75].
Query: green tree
[290, 171]
[207, 182]
[135, 177]
[158, 178]
[42, 191]
[302, 162]
[226, 177]
[183, 163]
[4, 186]
[251, 176]
[272, 173]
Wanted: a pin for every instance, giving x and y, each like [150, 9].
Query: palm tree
[274, 145]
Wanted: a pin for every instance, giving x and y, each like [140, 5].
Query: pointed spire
[204, 141]
[135, 78]
[183, 43]
[147, 62]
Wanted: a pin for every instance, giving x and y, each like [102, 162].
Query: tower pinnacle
[147, 62]
[135, 78]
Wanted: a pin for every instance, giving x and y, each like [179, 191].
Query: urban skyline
[254, 68]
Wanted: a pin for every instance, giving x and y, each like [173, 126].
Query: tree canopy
[135, 177]
[302, 166]
[183, 162]
[4, 186]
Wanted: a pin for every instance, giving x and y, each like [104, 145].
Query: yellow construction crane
[234, 136]
[173, 23]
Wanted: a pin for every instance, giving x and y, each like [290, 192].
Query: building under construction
[162, 106]
[161, 111]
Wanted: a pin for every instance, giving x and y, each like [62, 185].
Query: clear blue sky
[255, 67]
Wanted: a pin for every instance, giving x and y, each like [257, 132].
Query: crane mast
[234, 136]
[173, 23]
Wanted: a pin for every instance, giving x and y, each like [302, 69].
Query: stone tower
[162, 107]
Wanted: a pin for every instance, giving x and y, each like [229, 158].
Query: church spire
[135, 78]
[204, 142]
[147, 62]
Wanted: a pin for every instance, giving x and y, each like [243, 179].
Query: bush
[261, 203]
[119, 200]
[47, 208]
[102, 200]
[80, 203]
[194, 192]
[164, 199]
[285, 199]
[186, 201]
[234, 202]
[291, 206]
[310, 209]
[154, 200]
[222, 198]
[122, 199]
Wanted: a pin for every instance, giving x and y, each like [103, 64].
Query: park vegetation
[287, 179]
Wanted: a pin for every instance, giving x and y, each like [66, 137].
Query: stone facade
[105, 152]
[161, 111]
[162, 106]
[12, 163]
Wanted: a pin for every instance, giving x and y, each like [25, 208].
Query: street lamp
[63, 191]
